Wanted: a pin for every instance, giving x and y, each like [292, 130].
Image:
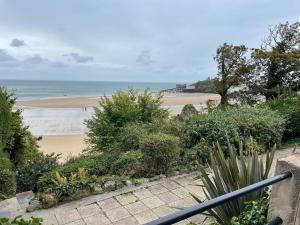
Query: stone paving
[130, 205]
[133, 206]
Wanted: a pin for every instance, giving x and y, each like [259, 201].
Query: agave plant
[232, 173]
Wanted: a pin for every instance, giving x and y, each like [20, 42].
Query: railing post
[284, 202]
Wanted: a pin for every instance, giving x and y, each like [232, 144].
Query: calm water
[27, 89]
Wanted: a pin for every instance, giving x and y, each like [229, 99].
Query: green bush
[209, 128]
[232, 124]
[7, 177]
[159, 153]
[255, 212]
[20, 143]
[94, 165]
[129, 164]
[20, 221]
[118, 111]
[29, 173]
[187, 111]
[197, 155]
[289, 107]
[131, 136]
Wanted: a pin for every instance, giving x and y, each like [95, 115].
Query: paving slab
[109, 204]
[136, 207]
[143, 193]
[126, 199]
[153, 202]
[145, 217]
[97, 220]
[117, 214]
[65, 217]
[89, 210]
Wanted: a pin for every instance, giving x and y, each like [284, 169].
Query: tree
[17, 141]
[232, 67]
[277, 62]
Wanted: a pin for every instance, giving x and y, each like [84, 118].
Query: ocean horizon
[47, 89]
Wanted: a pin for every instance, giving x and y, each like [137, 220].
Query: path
[132, 206]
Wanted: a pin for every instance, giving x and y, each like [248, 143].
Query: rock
[162, 176]
[128, 183]
[109, 186]
[177, 173]
[98, 189]
[155, 178]
[48, 200]
[119, 185]
[35, 204]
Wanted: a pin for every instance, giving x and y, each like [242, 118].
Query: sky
[132, 40]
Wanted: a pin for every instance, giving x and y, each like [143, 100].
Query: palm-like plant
[235, 172]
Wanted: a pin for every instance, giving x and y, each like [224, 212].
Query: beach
[60, 121]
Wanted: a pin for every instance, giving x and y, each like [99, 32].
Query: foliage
[118, 111]
[205, 86]
[232, 124]
[94, 165]
[129, 164]
[187, 111]
[232, 174]
[29, 173]
[289, 107]
[159, 152]
[20, 143]
[20, 221]
[277, 62]
[7, 177]
[255, 212]
[232, 67]
[131, 136]
[196, 156]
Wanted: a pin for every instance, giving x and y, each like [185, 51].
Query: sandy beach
[72, 144]
[79, 102]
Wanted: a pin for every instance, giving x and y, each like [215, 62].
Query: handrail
[199, 208]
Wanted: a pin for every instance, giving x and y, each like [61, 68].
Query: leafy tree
[17, 140]
[232, 67]
[277, 62]
[123, 108]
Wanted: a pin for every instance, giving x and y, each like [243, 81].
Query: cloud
[17, 43]
[5, 57]
[144, 58]
[36, 59]
[79, 58]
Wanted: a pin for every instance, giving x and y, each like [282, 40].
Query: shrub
[129, 164]
[187, 111]
[255, 212]
[131, 136]
[121, 109]
[94, 165]
[209, 128]
[264, 125]
[197, 155]
[7, 177]
[20, 143]
[232, 174]
[29, 173]
[159, 152]
[20, 221]
[289, 107]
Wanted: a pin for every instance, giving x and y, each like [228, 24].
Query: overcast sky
[129, 40]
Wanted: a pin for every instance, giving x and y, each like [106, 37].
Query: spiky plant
[232, 173]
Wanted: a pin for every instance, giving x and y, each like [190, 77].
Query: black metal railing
[200, 208]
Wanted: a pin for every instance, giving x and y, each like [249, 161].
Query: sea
[45, 89]
[67, 121]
